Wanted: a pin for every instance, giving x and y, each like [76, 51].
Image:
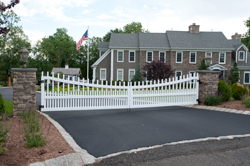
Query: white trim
[134, 56]
[236, 52]
[217, 67]
[112, 65]
[224, 57]
[211, 56]
[129, 73]
[190, 57]
[147, 56]
[164, 55]
[181, 57]
[122, 55]
[101, 58]
[243, 56]
[101, 74]
[94, 73]
[244, 77]
[239, 76]
[176, 74]
[117, 74]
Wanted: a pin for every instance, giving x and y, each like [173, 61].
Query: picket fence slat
[62, 94]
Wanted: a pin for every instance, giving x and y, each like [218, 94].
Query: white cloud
[121, 12]
[145, 6]
[85, 12]
[105, 16]
[34, 36]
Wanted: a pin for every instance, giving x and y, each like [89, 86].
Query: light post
[208, 61]
[24, 54]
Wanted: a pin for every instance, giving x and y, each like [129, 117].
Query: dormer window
[241, 55]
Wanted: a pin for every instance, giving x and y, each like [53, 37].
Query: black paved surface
[7, 94]
[104, 132]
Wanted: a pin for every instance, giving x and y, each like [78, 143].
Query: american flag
[84, 37]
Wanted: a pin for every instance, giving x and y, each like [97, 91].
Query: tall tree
[138, 75]
[157, 70]
[59, 48]
[246, 37]
[234, 74]
[134, 27]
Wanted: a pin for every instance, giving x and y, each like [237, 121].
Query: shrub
[238, 91]
[224, 90]
[34, 140]
[2, 107]
[5, 126]
[203, 65]
[246, 100]
[213, 100]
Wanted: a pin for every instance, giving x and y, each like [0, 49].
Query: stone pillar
[24, 89]
[208, 83]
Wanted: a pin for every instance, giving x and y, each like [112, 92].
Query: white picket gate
[68, 94]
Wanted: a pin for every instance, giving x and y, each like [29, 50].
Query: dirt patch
[233, 104]
[19, 155]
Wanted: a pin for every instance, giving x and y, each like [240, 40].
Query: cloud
[120, 12]
[105, 16]
[145, 6]
[85, 12]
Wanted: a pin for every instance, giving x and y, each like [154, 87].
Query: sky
[41, 18]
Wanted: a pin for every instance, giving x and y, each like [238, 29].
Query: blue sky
[41, 18]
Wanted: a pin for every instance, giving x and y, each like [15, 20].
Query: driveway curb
[82, 157]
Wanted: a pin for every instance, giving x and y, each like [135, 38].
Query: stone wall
[24, 89]
[208, 83]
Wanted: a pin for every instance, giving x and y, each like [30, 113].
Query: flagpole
[88, 56]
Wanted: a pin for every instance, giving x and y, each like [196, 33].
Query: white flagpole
[88, 56]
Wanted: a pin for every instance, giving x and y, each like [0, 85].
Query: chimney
[66, 66]
[236, 36]
[194, 28]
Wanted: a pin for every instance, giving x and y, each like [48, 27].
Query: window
[120, 56]
[131, 73]
[102, 74]
[192, 73]
[239, 77]
[131, 56]
[178, 57]
[149, 56]
[209, 54]
[222, 58]
[192, 57]
[178, 74]
[162, 56]
[246, 77]
[241, 55]
[119, 74]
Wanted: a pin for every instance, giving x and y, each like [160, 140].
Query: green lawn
[9, 106]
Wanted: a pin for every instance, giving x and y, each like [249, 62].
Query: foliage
[225, 91]
[2, 149]
[134, 27]
[246, 100]
[234, 74]
[157, 70]
[212, 100]
[32, 129]
[246, 37]
[8, 106]
[138, 75]
[203, 65]
[5, 126]
[60, 74]
[238, 91]
[2, 106]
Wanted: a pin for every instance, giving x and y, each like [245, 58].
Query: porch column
[94, 74]
[112, 65]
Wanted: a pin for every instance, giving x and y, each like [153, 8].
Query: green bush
[30, 120]
[213, 100]
[246, 100]
[34, 140]
[224, 90]
[238, 91]
[2, 107]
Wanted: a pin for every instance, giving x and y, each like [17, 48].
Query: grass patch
[9, 106]
[231, 98]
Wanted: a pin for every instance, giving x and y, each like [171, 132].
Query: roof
[156, 40]
[69, 71]
[209, 40]
[243, 64]
[124, 40]
[235, 43]
[103, 45]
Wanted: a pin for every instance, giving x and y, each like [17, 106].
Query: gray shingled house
[183, 50]
[68, 72]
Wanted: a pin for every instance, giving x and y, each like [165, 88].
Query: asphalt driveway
[103, 132]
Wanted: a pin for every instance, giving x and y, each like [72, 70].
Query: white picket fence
[83, 95]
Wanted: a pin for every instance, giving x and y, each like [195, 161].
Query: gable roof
[153, 40]
[104, 45]
[207, 40]
[124, 40]
[69, 71]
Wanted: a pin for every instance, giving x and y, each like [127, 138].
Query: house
[183, 50]
[68, 72]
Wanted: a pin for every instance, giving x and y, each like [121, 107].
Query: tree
[138, 75]
[246, 37]
[203, 65]
[59, 48]
[234, 74]
[134, 27]
[157, 70]
[2, 20]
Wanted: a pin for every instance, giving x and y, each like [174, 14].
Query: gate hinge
[199, 81]
[198, 100]
[41, 106]
[40, 81]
